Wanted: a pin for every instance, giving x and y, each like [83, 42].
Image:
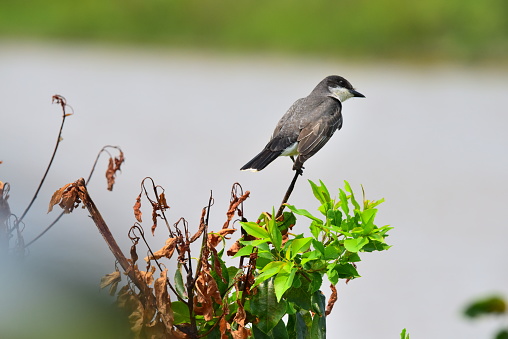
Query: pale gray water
[431, 140]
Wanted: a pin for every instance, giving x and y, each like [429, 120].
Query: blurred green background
[463, 30]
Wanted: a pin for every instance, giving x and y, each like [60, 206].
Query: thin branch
[62, 102]
[298, 172]
[86, 183]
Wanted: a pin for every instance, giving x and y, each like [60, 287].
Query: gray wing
[316, 133]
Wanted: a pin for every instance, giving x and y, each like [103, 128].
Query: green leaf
[318, 245]
[301, 296]
[279, 331]
[315, 228]
[244, 251]
[181, 312]
[254, 243]
[253, 229]
[333, 276]
[222, 282]
[320, 192]
[289, 220]
[316, 281]
[490, 305]
[353, 200]
[332, 252]
[273, 230]
[303, 324]
[344, 203]
[503, 334]
[180, 287]
[299, 246]
[355, 245]
[265, 307]
[232, 272]
[334, 217]
[311, 256]
[284, 280]
[403, 334]
[346, 271]
[268, 271]
[305, 213]
[318, 329]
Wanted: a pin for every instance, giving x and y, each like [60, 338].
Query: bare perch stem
[60, 100]
[298, 172]
[110, 240]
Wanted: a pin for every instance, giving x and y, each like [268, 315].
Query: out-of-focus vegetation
[468, 30]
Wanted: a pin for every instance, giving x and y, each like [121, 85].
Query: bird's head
[340, 88]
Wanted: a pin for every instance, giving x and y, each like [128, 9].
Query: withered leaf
[163, 300]
[214, 238]
[154, 219]
[162, 202]
[137, 208]
[166, 251]
[234, 249]
[240, 314]
[233, 207]
[66, 197]
[134, 254]
[113, 167]
[148, 275]
[207, 292]
[224, 328]
[111, 279]
[332, 300]
[110, 174]
[136, 321]
[241, 333]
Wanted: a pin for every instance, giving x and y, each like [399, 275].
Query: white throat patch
[340, 93]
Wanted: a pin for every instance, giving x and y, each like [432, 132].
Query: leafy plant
[490, 306]
[279, 273]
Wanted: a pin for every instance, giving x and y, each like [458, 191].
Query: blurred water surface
[431, 140]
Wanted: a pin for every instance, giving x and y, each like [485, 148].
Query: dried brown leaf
[332, 300]
[113, 167]
[207, 292]
[240, 314]
[202, 226]
[148, 275]
[66, 197]
[137, 208]
[224, 328]
[134, 254]
[163, 300]
[233, 206]
[111, 279]
[241, 333]
[166, 251]
[110, 174]
[162, 202]
[214, 238]
[234, 249]
[136, 321]
[154, 219]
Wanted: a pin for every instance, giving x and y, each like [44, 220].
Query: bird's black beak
[356, 93]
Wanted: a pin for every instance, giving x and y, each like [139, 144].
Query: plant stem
[298, 172]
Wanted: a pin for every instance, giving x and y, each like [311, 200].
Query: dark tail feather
[261, 160]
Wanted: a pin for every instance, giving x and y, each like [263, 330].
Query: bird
[308, 124]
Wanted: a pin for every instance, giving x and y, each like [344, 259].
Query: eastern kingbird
[308, 124]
